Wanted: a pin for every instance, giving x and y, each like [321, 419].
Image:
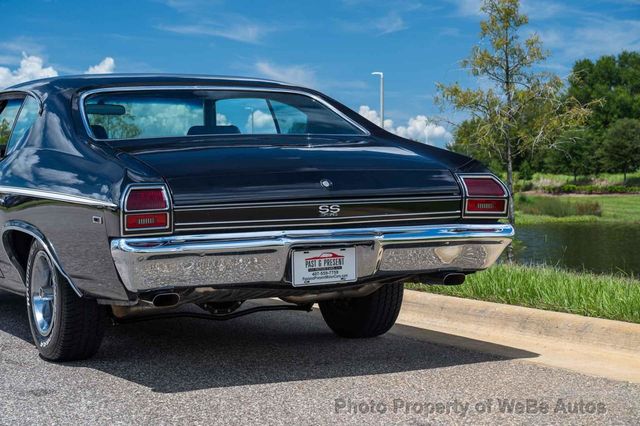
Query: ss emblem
[329, 209]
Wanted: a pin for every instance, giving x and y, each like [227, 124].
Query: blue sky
[329, 45]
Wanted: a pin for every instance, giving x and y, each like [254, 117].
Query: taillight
[484, 195]
[485, 186]
[483, 206]
[147, 220]
[146, 208]
[142, 199]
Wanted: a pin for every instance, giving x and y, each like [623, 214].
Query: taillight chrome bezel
[466, 197]
[164, 230]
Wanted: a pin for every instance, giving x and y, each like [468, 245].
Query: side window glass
[8, 110]
[25, 120]
[250, 116]
[290, 119]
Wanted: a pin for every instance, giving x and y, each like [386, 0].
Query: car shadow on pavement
[179, 355]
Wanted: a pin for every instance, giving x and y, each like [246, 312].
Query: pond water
[596, 247]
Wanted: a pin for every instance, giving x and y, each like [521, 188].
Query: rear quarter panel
[68, 189]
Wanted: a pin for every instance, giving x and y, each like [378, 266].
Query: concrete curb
[476, 314]
[588, 345]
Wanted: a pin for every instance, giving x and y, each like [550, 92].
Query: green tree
[523, 110]
[5, 132]
[117, 126]
[573, 154]
[464, 143]
[613, 80]
[621, 147]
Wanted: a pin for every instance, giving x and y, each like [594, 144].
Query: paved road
[286, 368]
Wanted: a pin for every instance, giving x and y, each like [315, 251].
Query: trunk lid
[233, 171]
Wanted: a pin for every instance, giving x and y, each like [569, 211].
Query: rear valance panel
[276, 215]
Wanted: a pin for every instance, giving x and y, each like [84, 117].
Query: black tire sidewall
[367, 316]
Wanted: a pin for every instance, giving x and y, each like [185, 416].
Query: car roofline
[153, 78]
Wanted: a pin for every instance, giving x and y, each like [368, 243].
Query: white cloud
[237, 29]
[468, 7]
[373, 116]
[31, 68]
[390, 23]
[222, 120]
[297, 74]
[106, 66]
[538, 9]
[595, 38]
[187, 5]
[418, 128]
[260, 122]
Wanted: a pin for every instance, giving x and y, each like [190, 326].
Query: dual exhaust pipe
[453, 278]
[168, 300]
[165, 300]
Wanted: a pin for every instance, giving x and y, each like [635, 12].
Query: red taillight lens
[147, 221]
[146, 199]
[486, 206]
[481, 186]
[147, 208]
[484, 196]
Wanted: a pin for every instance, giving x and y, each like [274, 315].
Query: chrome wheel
[43, 293]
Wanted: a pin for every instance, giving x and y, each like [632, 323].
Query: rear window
[8, 110]
[23, 123]
[177, 113]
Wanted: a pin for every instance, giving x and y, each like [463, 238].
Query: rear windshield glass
[176, 113]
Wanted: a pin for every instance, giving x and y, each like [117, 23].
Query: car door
[17, 114]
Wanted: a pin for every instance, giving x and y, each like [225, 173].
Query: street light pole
[252, 109]
[381, 74]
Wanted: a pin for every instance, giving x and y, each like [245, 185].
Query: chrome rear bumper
[153, 263]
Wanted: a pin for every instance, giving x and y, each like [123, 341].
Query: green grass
[611, 208]
[557, 206]
[602, 296]
[530, 219]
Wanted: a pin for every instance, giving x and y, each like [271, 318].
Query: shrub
[549, 206]
[590, 189]
[588, 208]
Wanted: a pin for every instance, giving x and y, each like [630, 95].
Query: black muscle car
[128, 196]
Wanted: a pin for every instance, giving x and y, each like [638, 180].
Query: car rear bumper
[223, 260]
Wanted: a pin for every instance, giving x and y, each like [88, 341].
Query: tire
[367, 316]
[64, 326]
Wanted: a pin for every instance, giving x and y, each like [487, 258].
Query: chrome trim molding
[483, 176]
[14, 225]
[336, 222]
[426, 215]
[32, 93]
[133, 187]
[311, 203]
[57, 196]
[260, 257]
[466, 196]
[148, 231]
[316, 98]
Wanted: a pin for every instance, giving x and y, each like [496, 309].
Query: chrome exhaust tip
[165, 300]
[453, 279]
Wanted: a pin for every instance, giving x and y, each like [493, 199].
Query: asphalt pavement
[288, 368]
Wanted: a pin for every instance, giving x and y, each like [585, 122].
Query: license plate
[311, 267]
